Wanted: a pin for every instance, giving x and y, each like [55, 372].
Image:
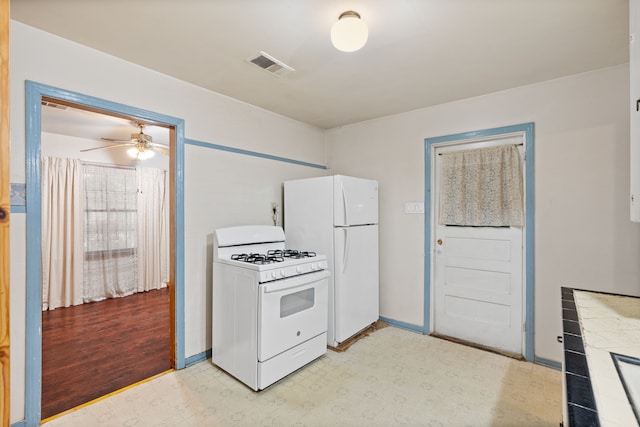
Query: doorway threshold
[75, 408]
[478, 346]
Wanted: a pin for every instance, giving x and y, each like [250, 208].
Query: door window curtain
[482, 187]
[62, 232]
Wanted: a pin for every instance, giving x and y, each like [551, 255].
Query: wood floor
[93, 349]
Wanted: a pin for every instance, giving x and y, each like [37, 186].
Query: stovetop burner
[272, 256]
[257, 258]
[290, 253]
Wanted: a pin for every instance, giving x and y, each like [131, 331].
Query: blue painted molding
[18, 209]
[403, 325]
[252, 153]
[548, 363]
[19, 424]
[33, 324]
[197, 358]
[528, 130]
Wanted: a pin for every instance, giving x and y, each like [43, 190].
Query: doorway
[35, 94]
[105, 318]
[501, 315]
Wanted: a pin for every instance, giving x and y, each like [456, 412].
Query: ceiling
[65, 120]
[419, 53]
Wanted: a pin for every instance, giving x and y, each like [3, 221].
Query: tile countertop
[609, 324]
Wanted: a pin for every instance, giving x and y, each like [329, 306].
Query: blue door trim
[528, 130]
[33, 328]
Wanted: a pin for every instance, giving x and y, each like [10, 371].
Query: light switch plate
[414, 208]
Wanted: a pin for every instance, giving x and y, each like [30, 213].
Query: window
[110, 232]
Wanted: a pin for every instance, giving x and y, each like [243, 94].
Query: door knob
[439, 241]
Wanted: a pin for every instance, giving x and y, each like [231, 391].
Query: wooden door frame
[5, 200]
[35, 92]
[527, 130]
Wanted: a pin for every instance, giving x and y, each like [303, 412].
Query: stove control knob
[273, 274]
[299, 269]
[314, 266]
[282, 273]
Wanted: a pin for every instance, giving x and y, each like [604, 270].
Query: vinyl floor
[391, 378]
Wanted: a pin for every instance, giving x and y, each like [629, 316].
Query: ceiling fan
[142, 145]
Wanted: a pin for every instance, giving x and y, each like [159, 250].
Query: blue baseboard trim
[19, 424]
[197, 358]
[402, 325]
[548, 363]
[18, 209]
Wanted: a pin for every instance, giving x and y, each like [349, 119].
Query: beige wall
[583, 234]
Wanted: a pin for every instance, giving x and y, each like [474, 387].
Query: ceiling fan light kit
[142, 145]
[140, 153]
[350, 33]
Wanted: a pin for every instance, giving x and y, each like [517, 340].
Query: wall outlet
[275, 213]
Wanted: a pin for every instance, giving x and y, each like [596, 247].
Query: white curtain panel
[62, 232]
[111, 222]
[482, 187]
[152, 229]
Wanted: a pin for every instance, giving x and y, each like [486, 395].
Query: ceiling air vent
[54, 105]
[271, 64]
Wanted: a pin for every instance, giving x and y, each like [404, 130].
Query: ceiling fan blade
[155, 144]
[160, 149]
[115, 140]
[106, 146]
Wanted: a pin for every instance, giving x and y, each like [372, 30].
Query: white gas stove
[270, 305]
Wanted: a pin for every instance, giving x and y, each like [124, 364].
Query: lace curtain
[482, 187]
[126, 231]
[111, 221]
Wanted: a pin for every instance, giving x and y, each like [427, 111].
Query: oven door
[291, 311]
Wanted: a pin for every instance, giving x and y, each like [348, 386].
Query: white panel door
[355, 279]
[478, 277]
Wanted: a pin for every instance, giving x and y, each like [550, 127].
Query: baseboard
[403, 325]
[548, 363]
[196, 358]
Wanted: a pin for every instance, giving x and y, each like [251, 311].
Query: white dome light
[350, 33]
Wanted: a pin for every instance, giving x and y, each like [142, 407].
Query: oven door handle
[294, 282]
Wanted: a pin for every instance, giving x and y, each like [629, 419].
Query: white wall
[216, 183]
[583, 234]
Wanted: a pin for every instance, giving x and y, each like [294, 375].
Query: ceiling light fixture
[140, 153]
[350, 33]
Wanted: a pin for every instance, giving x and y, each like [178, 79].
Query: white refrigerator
[338, 216]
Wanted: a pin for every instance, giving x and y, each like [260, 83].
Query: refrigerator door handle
[345, 205]
[346, 249]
